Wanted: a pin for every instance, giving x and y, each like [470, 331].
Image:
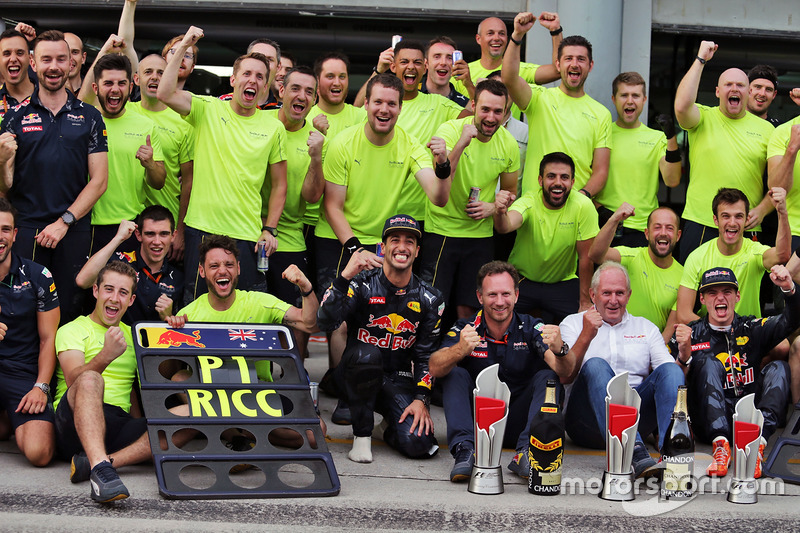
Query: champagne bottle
[546, 446]
[677, 453]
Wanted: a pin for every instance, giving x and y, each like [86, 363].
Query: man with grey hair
[605, 341]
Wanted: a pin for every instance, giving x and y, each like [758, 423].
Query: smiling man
[528, 351]
[747, 258]
[77, 57]
[640, 154]
[724, 353]
[392, 322]
[237, 148]
[763, 90]
[15, 60]
[458, 236]
[556, 229]
[439, 58]
[159, 290]
[655, 274]
[48, 147]
[554, 114]
[605, 341]
[728, 149]
[135, 159]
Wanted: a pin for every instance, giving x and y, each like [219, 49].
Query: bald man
[492, 37]
[77, 57]
[728, 148]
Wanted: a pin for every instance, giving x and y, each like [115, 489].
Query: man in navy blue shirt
[528, 351]
[28, 322]
[159, 288]
[48, 148]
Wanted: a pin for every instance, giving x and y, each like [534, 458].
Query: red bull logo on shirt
[736, 361]
[394, 324]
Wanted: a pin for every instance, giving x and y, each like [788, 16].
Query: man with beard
[555, 231]
[748, 259]
[47, 149]
[654, 272]
[236, 149]
[305, 152]
[528, 351]
[28, 324]
[606, 340]
[355, 201]
[639, 155]
[441, 68]
[177, 145]
[458, 236]
[135, 160]
[392, 327]
[160, 285]
[763, 90]
[77, 57]
[15, 60]
[554, 114]
[332, 114]
[728, 149]
[422, 113]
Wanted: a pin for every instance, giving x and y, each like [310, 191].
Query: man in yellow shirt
[728, 149]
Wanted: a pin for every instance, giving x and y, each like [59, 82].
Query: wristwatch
[44, 386]
[68, 218]
[564, 350]
[685, 363]
[271, 230]
[424, 398]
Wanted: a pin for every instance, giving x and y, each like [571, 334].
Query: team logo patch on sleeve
[52, 287]
[441, 309]
[539, 327]
[414, 306]
[46, 273]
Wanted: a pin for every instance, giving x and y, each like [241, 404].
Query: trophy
[622, 421]
[747, 424]
[491, 397]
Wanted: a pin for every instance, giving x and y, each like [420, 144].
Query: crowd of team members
[434, 154]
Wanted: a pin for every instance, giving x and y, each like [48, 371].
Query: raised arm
[505, 221]
[113, 45]
[781, 168]
[670, 170]
[518, 88]
[781, 252]
[73, 362]
[601, 250]
[304, 318]
[178, 100]
[686, 96]
[314, 182]
[384, 62]
[549, 73]
[126, 31]
[436, 183]
[88, 274]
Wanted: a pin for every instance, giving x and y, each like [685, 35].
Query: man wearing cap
[723, 353]
[392, 327]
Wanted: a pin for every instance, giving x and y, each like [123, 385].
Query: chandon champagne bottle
[677, 453]
[546, 446]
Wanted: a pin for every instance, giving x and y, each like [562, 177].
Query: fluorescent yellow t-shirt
[544, 250]
[633, 172]
[479, 166]
[231, 157]
[124, 198]
[374, 177]
[777, 147]
[654, 290]
[561, 123]
[724, 152]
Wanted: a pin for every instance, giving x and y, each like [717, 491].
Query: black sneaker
[79, 468]
[106, 484]
[341, 415]
[520, 465]
[643, 465]
[464, 457]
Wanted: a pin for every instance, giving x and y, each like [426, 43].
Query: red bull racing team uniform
[391, 333]
[724, 367]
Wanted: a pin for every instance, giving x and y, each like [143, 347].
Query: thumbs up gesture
[145, 153]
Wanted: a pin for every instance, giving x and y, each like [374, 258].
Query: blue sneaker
[79, 468]
[106, 484]
[643, 465]
[464, 457]
[520, 465]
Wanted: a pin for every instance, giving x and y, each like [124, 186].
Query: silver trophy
[622, 421]
[747, 424]
[491, 397]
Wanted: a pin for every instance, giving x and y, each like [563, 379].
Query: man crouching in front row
[97, 367]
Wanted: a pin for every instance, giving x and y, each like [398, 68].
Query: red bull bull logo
[393, 323]
[737, 362]
[174, 338]
[426, 381]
